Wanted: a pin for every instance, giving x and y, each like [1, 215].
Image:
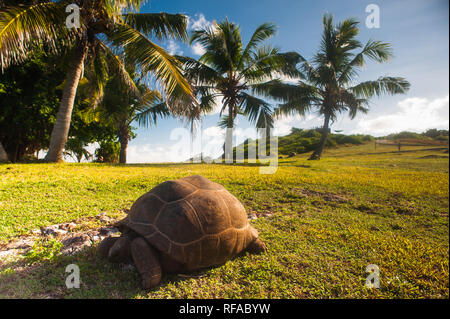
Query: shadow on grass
[99, 279]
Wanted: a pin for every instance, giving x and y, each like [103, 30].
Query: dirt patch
[72, 241]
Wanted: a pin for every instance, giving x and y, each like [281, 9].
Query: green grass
[330, 219]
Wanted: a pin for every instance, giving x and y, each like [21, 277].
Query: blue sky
[417, 30]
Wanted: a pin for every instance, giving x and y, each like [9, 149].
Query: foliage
[76, 148]
[43, 250]
[45, 22]
[110, 32]
[108, 152]
[435, 133]
[120, 109]
[303, 141]
[429, 134]
[27, 106]
[327, 83]
[228, 70]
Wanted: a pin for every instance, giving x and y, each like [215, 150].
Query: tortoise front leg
[105, 245]
[256, 247]
[120, 252]
[147, 262]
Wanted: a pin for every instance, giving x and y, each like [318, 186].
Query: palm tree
[327, 84]
[104, 31]
[228, 71]
[121, 110]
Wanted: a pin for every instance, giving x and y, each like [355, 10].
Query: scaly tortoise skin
[191, 222]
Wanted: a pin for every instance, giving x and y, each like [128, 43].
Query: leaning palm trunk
[3, 155]
[60, 131]
[323, 140]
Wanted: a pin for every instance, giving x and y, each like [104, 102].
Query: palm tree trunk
[124, 137]
[61, 128]
[123, 152]
[3, 154]
[318, 152]
[228, 146]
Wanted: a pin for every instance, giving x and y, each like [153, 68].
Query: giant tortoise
[182, 225]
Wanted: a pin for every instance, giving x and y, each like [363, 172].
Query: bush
[108, 152]
[303, 141]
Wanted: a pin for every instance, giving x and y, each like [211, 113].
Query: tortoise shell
[193, 220]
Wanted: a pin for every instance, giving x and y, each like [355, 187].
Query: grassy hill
[303, 141]
[323, 222]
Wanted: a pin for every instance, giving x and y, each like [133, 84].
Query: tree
[228, 71]
[28, 107]
[104, 31]
[327, 83]
[121, 110]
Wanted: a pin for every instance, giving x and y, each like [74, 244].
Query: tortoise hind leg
[147, 262]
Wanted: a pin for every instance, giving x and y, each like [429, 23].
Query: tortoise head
[117, 249]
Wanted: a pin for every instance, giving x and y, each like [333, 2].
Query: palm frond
[374, 50]
[117, 6]
[264, 32]
[264, 64]
[257, 111]
[384, 85]
[151, 58]
[223, 45]
[151, 108]
[354, 105]
[97, 73]
[291, 108]
[117, 67]
[159, 25]
[279, 91]
[197, 72]
[23, 26]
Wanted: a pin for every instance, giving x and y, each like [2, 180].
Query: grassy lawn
[323, 222]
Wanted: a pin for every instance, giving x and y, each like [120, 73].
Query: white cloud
[198, 22]
[198, 49]
[214, 132]
[283, 125]
[414, 114]
[181, 148]
[148, 153]
[173, 48]
[287, 79]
